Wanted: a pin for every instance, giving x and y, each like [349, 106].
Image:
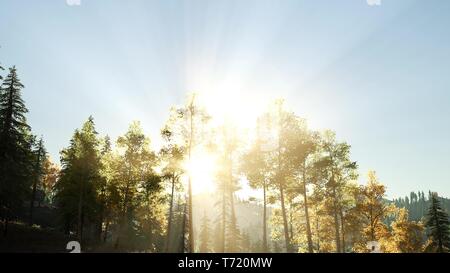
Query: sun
[230, 99]
[201, 168]
[234, 107]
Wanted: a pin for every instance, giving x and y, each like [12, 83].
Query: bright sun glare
[229, 98]
[201, 168]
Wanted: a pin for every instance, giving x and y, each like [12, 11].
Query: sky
[375, 71]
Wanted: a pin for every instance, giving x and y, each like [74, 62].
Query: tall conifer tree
[438, 225]
[15, 147]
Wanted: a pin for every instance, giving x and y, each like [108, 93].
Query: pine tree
[78, 185]
[15, 148]
[205, 235]
[40, 156]
[438, 225]
[233, 238]
[105, 190]
[1, 68]
[150, 214]
[218, 240]
[246, 244]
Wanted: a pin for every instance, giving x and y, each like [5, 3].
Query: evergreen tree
[107, 193]
[15, 148]
[1, 68]
[233, 238]
[150, 214]
[438, 225]
[246, 244]
[78, 185]
[218, 241]
[205, 235]
[40, 156]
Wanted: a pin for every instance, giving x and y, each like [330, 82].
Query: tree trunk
[182, 246]
[234, 246]
[285, 222]
[336, 223]
[223, 220]
[190, 210]
[317, 230]
[291, 229]
[33, 197]
[80, 212]
[99, 228]
[105, 234]
[440, 244]
[169, 224]
[5, 229]
[341, 213]
[150, 239]
[123, 224]
[190, 220]
[281, 182]
[265, 248]
[33, 194]
[337, 233]
[308, 224]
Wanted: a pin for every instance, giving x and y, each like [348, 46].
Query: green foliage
[127, 197]
[17, 164]
[172, 156]
[438, 225]
[76, 190]
[112, 193]
[1, 68]
[417, 204]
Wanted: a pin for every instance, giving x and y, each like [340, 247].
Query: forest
[122, 195]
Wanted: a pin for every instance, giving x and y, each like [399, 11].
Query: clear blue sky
[377, 75]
